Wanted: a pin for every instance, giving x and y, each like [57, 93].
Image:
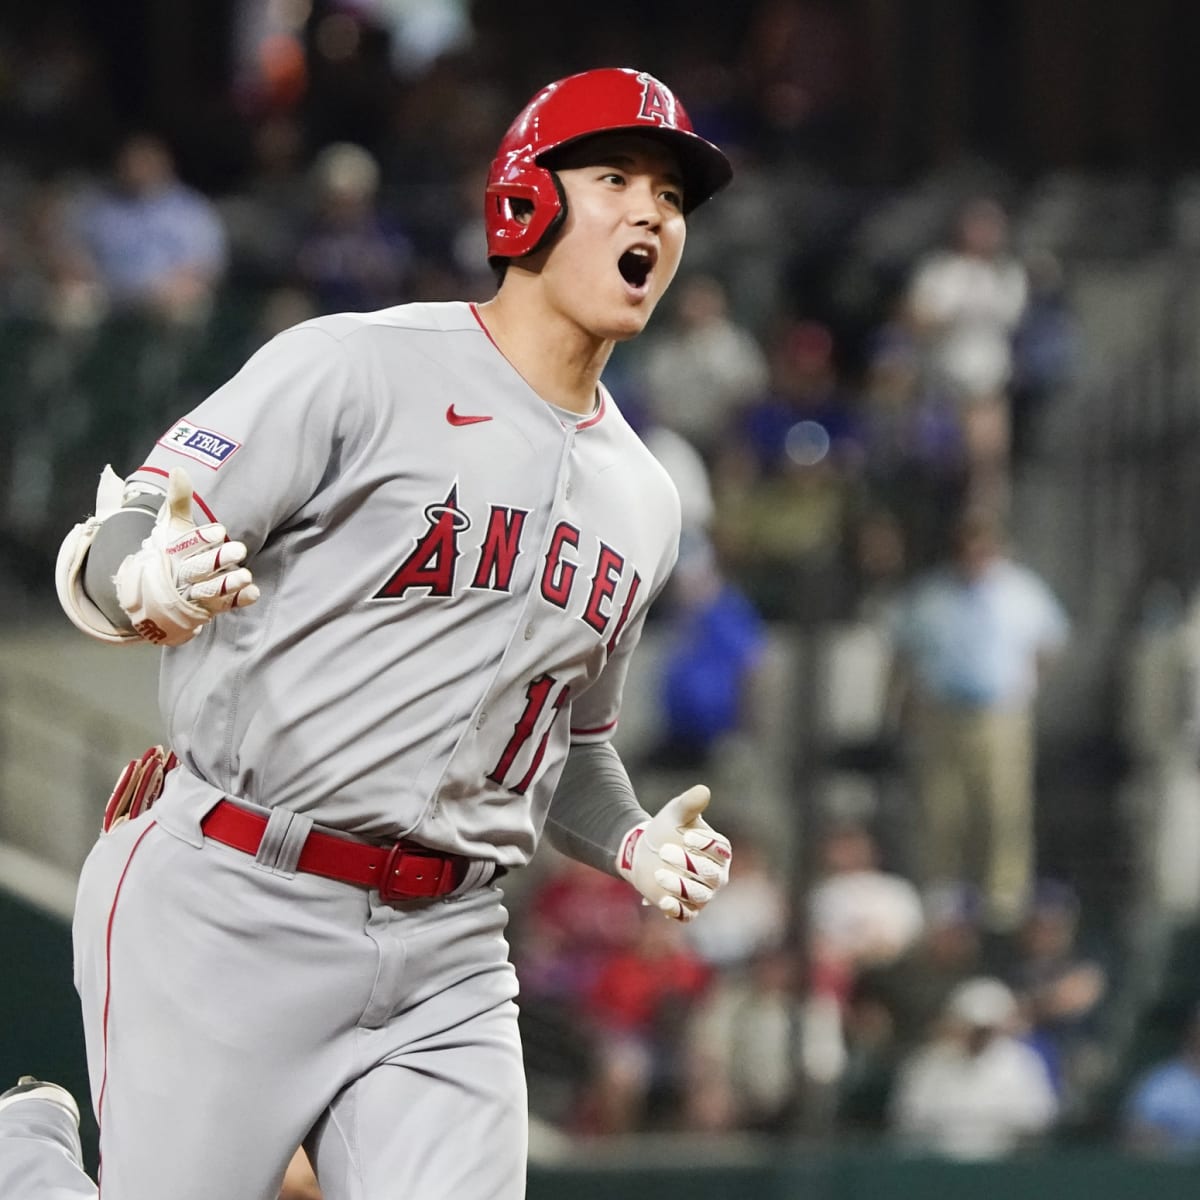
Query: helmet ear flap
[513, 236]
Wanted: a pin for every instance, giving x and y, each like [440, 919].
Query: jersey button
[528, 632]
[569, 489]
[479, 724]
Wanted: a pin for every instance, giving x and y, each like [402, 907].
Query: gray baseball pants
[234, 1009]
[40, 1155]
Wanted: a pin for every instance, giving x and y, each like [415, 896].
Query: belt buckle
[409, 874]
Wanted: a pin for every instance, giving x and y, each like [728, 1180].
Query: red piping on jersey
[592, 732]
[596, 415]
[488, 334]
[112, 912]
[208, 512]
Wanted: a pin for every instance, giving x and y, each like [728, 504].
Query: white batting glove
[677, 860]
[184, 574]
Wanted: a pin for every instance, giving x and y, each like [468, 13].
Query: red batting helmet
[603, 101]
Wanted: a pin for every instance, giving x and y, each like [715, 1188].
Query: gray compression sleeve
[594, 807]
[118, 537]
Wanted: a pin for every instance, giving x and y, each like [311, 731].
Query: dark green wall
[881, 1176]
[40, 1028]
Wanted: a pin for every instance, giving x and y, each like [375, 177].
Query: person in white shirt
[965, 301]
[974, 1090]
[859, 914]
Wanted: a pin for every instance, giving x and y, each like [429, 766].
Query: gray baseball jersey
[454, 574]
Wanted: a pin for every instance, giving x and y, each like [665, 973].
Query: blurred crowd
[848, 364]
[844, 386]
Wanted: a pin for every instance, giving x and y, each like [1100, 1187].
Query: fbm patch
[209, 448]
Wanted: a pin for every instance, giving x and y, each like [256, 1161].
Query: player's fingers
[696, 866]
[242, 598]
[690, 891]
[708, 842]
[206, 564]
[669, 906]
[246, 596]
[219, 594]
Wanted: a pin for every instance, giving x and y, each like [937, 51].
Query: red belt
[402, 871]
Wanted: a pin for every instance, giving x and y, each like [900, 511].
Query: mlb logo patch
[205, 446]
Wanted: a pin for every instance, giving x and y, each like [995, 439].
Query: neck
[559, 359]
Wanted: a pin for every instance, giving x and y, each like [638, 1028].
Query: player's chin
[630, 319]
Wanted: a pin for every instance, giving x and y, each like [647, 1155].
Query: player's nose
[643, 207]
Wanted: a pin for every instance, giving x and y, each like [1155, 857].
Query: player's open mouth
[635, 266]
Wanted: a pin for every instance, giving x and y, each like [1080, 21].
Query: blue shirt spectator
[717, 640]
[976, 639]
[971, 639]
[1162, 1111]
[151, 240]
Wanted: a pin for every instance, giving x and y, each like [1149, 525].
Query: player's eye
[613, 177]
[673, 196]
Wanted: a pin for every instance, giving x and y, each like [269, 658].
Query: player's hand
[677, 860]
[184, 574]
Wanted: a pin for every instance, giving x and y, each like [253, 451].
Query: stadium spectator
[743, 1051]
[1059, 986]
[567, 926]
[352, 255]
[703, 366]
[715, 643]
[787, 479]
[971, 638]
[1161, 1113]
[965, 301]
[804, 389]
[974, 1090]
[878, 553]
[916, 464]
[859, 915]
[265, 213]
[1046, 350]
[799, 66]
[914, 988]
[637, 1012]
[154, 244]
[572, 923]
[58, 106]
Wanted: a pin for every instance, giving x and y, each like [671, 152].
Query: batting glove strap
[68, 568]
[676, 860]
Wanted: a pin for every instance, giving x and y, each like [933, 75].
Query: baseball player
[446, 542]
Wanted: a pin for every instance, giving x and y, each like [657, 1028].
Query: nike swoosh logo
[459, 419]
